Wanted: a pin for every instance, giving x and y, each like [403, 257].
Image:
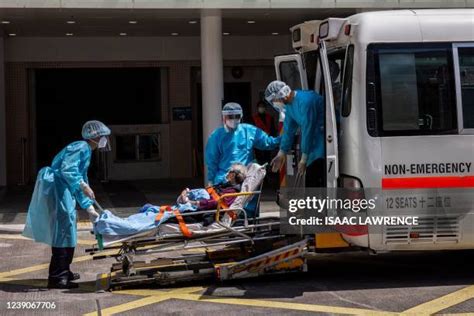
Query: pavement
[350, 284]
[354, 283]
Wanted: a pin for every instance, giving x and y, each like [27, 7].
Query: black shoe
[62, 284]
[74, 276]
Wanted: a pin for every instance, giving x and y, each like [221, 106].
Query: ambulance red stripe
[428, 182]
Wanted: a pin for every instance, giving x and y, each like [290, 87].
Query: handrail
[221, 198]
[226, 195]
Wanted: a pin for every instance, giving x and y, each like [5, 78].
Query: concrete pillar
[3, 139]
[211, 71]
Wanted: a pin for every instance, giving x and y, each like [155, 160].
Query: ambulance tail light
[353, 188]
[354, 191]
[349, 182]
[347, 29]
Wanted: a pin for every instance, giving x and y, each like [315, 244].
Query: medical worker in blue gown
[233, 142]
[303, 109]
[52, 215]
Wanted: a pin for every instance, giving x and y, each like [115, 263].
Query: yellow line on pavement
[442, 302]
[183, 294]
[13, 236]
[144, 292]
[23, 270]
[131, 305]
[46, 265]
[20, 237]
[283, 305]
[187, 290]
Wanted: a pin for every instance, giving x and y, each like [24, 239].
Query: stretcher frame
[249, 240]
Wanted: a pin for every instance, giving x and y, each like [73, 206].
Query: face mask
[261, 110]
[103, 144]
[279, 106]
[232, 124]
[281, 116]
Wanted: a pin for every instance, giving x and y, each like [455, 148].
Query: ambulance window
[347, 82]
[290, 74]
[336, 63]
[414, 89]
[466, 70]
[310, 60]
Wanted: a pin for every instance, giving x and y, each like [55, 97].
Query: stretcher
[235, 246]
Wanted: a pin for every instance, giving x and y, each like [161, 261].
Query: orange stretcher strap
[215, 196]
[182, 224]
[164, 208]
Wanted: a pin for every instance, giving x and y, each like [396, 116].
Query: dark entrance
[66, 98]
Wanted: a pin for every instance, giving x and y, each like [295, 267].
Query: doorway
[68, 97]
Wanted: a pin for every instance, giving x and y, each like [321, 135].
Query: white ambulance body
[404, 99]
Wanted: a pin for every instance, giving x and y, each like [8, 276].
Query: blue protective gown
[307, 112]
[51, 215]
[227, 147]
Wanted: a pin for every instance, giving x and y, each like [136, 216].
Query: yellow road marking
[283, 305]
[183, 294]
[131, 305]
[87, 242]
[20, 237]
[187, 290]
[85, 287]
[142, 292]
[442, 302]
[46, 266]
[13, 236]
[155, 296]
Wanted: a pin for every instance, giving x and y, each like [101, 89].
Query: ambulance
[399, 117]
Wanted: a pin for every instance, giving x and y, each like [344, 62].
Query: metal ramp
[242, 260]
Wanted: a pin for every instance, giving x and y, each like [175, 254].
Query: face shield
[232, 121]
[276, 99]
[104, 144]
[279, 106]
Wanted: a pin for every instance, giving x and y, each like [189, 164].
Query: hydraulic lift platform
[243, 260]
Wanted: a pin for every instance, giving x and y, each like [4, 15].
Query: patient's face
[231, 177]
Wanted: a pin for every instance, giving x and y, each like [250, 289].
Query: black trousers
[315, 174]
[61, 259]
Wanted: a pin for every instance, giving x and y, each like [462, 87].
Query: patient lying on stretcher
[151, 216]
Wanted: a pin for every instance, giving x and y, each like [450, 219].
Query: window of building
[138, 147]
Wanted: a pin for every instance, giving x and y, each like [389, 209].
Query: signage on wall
[182, 113]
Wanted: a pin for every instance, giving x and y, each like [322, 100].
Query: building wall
[139, 48]
[234, 4]
[179, 56]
